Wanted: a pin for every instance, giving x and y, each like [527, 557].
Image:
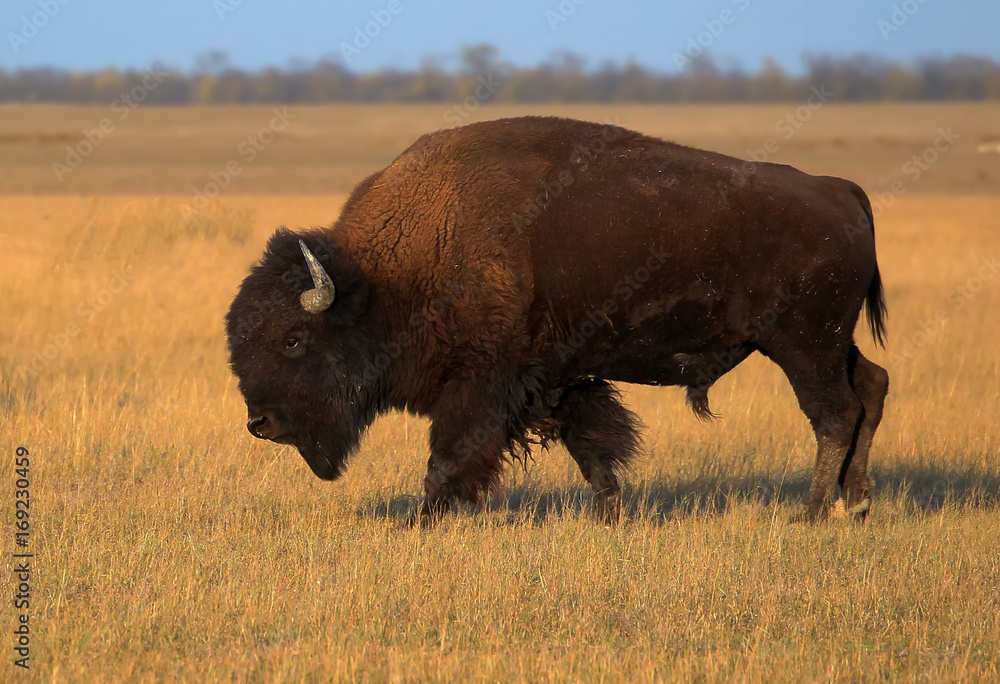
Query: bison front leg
[466, 460]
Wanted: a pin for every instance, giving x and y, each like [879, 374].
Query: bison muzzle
[498, 277]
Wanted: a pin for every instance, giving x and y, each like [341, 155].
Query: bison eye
[295, 345]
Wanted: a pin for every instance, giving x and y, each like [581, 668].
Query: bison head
[298, 331]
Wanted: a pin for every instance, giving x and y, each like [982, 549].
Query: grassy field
[171, 545]
[328, 149]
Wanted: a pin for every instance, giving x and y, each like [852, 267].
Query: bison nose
[265, 424]
[255, 424]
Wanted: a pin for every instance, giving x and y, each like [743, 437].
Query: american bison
[498, 277]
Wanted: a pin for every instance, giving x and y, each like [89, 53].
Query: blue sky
[91, 34]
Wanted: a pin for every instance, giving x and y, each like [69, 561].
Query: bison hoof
[858, 511]
[608, 508]
[430, 513]
[418, 519]
[808, 513]
[838, 511]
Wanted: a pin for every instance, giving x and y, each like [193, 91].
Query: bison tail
[875, 309]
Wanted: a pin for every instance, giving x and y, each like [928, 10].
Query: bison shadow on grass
[921, 489]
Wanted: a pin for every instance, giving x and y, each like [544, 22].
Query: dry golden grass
[328, 149]
[171, 545]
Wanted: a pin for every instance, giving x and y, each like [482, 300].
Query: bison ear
[353, 289]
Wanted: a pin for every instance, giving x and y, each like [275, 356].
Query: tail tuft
[697, 399]
[875, 310]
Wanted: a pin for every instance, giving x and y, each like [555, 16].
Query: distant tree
[482, 75]
[480, 59]
[211, 62]
[771, 83]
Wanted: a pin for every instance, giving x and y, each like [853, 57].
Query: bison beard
[497, 278]
[326, 450]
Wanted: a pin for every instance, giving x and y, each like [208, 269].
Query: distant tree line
[482, 75]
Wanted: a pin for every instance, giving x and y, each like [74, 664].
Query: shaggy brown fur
[496, 277]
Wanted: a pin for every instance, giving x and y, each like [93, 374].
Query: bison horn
[320, 298]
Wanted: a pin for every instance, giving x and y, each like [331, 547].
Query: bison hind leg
[871, 383]
[697, 399]
[603, 438]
